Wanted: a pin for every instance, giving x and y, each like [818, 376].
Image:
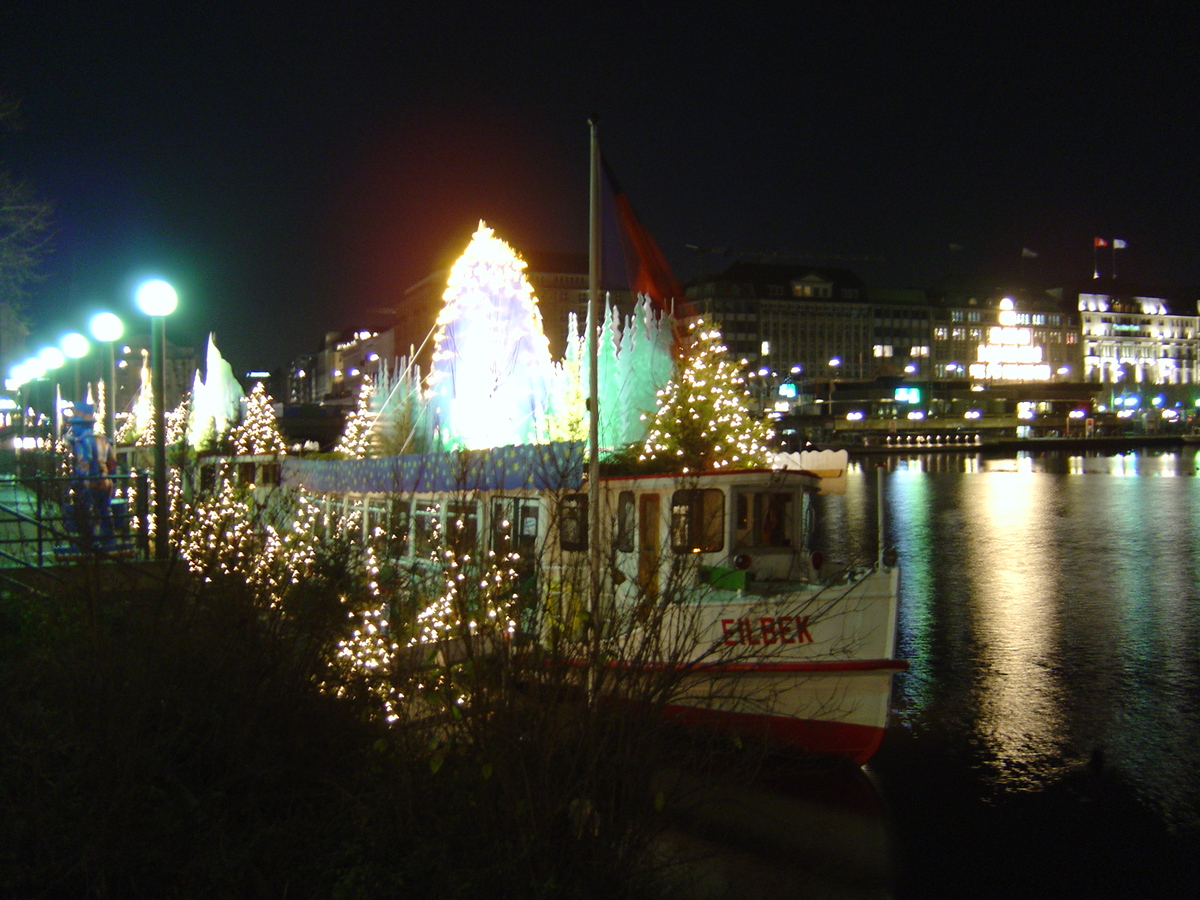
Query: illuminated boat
[763, 643]
[705, 585]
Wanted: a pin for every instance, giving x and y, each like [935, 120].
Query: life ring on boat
[742, 561]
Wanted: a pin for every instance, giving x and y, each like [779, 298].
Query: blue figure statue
[94, 462]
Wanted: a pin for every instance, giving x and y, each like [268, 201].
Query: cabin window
[397, 531]
[765, 519]
[208, 478]
[697, 521]
[626, 521]
[426, 528]
[270, 474]
[462, 525]
[375, 516]
[573, 522]
[514, 526]
[245, 473]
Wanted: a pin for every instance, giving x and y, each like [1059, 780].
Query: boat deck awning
[517, 467]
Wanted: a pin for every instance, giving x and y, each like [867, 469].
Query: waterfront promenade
[19, 529]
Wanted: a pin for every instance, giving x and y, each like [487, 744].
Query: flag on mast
[1117, 244]
[1099, 242]
[629, 257]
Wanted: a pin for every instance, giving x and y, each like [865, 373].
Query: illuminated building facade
[828, 325]
[1138, 340]
[995, 337]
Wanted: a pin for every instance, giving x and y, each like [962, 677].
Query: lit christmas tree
[139, 426]
[101, 406]
[702, 422]
[491, 360]
[258, 432]
[356, 438]
[177, 421]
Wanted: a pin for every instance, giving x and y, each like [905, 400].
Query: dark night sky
[291, 167]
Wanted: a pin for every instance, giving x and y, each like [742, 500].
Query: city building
[179, 366]
[818, 344]
[821, 348]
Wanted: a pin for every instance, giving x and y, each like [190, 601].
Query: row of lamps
[157, 299]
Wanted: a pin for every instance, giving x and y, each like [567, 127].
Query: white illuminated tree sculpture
[491, 359]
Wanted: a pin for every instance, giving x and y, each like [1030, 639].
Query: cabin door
[649, 548]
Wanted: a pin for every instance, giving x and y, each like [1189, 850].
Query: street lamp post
[108, 329]
[52, 358]
[157, 299]
[75, 347]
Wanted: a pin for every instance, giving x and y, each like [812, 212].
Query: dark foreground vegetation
[167, 736]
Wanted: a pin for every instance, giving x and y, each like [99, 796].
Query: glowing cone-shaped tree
[491, 359]
[702, 421]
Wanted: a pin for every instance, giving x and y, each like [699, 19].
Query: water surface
[1047, 735]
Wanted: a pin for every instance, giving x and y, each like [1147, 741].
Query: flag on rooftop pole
[1096, 243]
[1117, 244]
[1026, 253]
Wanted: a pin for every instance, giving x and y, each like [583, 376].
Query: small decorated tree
[258, 432]
[356, 438]
[702, 421]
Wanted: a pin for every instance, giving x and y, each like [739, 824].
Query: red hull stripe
[766, 667]
[841, 740]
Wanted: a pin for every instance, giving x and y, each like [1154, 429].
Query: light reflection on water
[1050, 610]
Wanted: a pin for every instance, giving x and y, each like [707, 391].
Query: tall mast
[593, 380]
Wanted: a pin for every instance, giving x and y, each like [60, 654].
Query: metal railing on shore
[51, 520]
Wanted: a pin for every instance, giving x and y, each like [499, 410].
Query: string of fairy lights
[701, 421]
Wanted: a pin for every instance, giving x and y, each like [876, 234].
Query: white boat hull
[810, 673]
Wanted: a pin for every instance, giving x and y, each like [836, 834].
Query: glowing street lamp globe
[107, 327]
[75, 345]
[157, 298]
[52, 358]
[35, 367]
